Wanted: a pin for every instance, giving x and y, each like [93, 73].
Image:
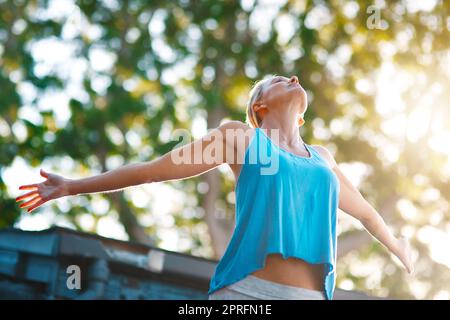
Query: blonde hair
[255, 94]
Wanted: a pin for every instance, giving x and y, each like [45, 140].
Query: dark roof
[33, 264]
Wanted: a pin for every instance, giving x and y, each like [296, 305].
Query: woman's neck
[287, 131]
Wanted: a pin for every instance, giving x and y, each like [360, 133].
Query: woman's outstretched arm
[167, 167]
[186, 161]
[352, 202]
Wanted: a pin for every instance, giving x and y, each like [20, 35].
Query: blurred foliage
[176, 61]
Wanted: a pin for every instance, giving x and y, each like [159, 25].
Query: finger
[43, 173]
[26, 195]
[34, 206]
[29, 187]
[31, 202]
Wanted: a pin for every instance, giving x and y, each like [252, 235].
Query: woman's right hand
[52, 188]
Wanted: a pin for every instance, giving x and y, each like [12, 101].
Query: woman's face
[282, 91]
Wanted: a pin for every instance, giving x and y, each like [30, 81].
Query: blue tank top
[285, 204]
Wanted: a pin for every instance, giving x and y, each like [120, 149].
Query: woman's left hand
[404, 254]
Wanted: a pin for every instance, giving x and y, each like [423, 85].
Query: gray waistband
[265, 289]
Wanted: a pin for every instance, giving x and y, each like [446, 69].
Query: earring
[301, 122]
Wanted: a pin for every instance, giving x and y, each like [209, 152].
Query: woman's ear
[260, 109]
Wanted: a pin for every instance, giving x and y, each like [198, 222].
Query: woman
[287, 194]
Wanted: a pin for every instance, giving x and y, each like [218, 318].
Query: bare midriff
[293, 272]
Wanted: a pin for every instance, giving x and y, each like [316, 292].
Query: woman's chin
[303, 104]
[300, 94]
[299, 88]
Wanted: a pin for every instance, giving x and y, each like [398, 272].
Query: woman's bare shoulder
[326, 154]
[237, 135]
[236, 128]
[235, 124]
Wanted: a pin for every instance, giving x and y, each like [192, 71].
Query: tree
[134, 70]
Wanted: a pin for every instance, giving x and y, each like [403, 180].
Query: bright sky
[57, 55]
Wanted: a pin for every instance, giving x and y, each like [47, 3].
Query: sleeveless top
[285, 204]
